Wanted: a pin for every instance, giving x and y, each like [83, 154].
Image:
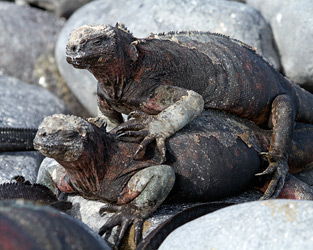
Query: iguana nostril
[74, 48]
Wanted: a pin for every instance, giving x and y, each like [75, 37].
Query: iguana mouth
[77, 62]
[45, 149]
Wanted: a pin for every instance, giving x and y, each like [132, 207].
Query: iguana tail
[16, 139]
[305, 111]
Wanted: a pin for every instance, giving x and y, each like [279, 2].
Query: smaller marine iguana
[164, 81]
[36, 193]
[98, 166]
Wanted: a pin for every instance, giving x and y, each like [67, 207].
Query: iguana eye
[97, 42]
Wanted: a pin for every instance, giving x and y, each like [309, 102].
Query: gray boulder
[142, 17]
[268, 8]
[23, 105]
[292, 26]
[28, 36]
[272, 224]
[27, 50]
[62, 8]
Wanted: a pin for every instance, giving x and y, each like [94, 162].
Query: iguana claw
[138, 128]
[98, 121]
[279, 168]
[124, 217]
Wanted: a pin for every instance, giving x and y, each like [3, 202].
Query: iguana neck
[113, 74]
[112, 78]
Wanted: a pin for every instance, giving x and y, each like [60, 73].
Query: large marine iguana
[99, 166]
[165, 80]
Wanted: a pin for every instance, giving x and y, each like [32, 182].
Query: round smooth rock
[23, 105]
[142, 17]
[295, 47]
[292, 26]
[271, 224]
[268, 8]
[62, 8]
[26, 226]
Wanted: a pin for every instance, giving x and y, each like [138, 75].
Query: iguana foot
[279, 168]
[146, 190]
[99, 121]
[145, 128]
[124, 217]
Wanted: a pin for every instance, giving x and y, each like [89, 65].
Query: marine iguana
[35, 193]
[164, 81]
[17, 139]
[98, 166]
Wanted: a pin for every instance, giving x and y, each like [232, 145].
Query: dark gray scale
[35, 193]
[17, 139]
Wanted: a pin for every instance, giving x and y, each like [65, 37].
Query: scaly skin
[16, 139]
[98, 166]
[171, 77]
[36, 193]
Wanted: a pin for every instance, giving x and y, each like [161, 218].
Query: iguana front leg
[282, 118]
[145, 191]
[174, 107]
[107, 116]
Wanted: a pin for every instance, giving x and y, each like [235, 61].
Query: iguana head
[62, 137]
[95, 45]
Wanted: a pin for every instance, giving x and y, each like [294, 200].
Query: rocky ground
[36, 81]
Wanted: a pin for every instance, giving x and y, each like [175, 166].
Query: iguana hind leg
[283, 120]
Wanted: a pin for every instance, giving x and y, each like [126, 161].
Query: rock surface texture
[23, 105]
[27, 50]
[272, 224]
[142, 17]
[62, 8]
[20, 56]
[292, 26]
